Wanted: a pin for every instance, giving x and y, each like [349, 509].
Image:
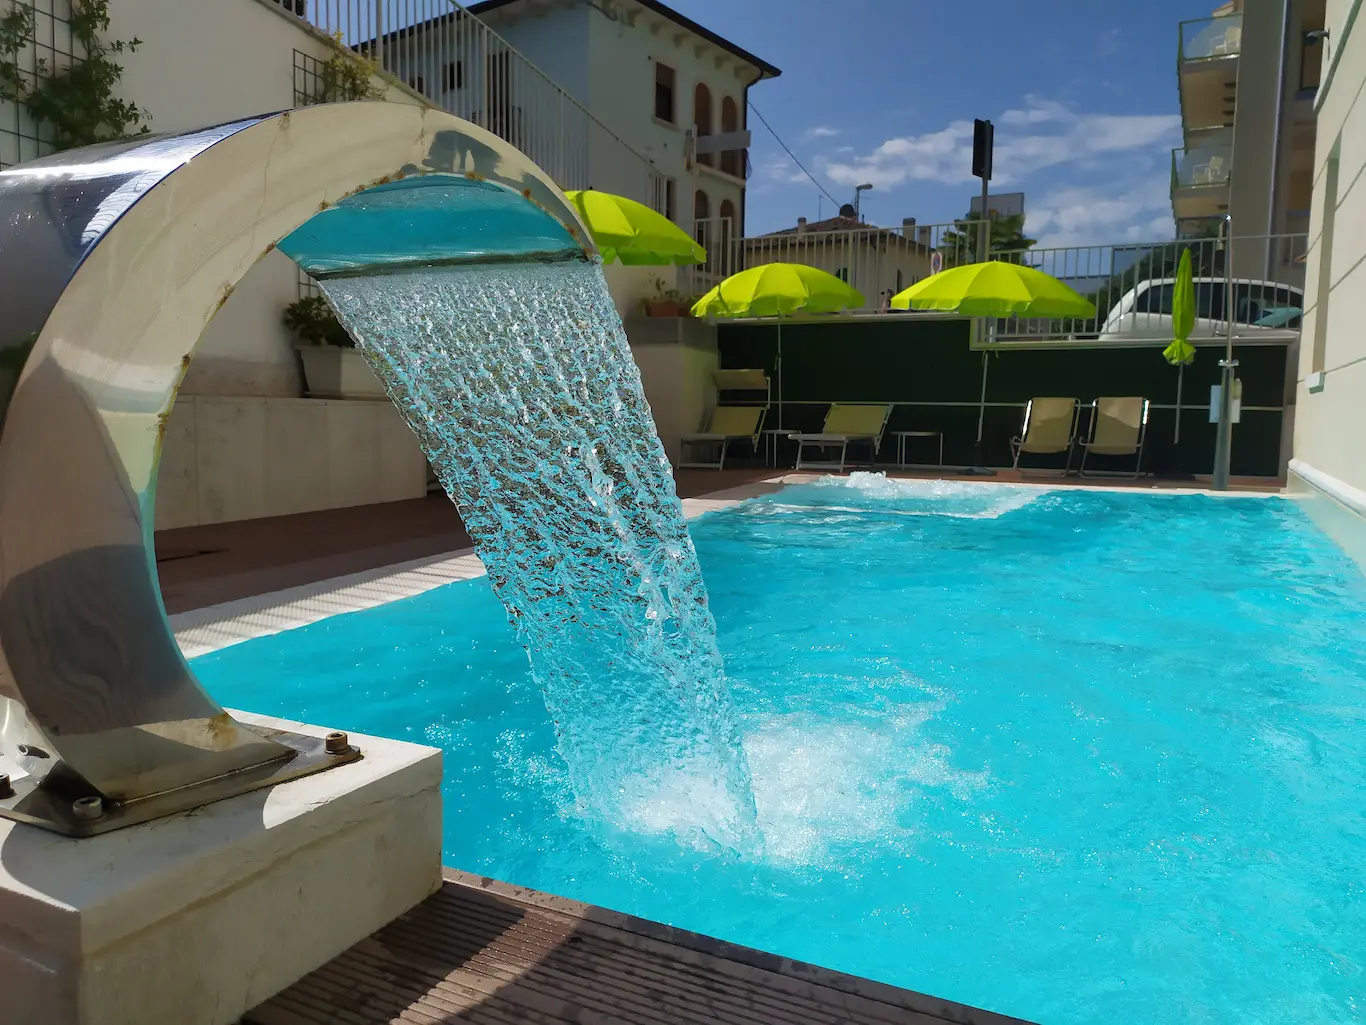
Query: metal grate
[308, 79]
[54, 48]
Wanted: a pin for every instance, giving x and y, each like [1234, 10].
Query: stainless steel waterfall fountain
[113, 259]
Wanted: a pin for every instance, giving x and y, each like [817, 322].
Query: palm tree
[1008, 240]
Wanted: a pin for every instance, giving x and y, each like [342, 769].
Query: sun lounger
[846, 422]
[728, 423]
[1119, 427]
[1050, 428]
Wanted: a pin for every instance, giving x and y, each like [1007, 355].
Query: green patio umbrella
[1181, 352]
[778, 290]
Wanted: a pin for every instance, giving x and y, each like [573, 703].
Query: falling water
[518, 380]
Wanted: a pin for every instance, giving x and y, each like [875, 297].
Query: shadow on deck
[485, 952]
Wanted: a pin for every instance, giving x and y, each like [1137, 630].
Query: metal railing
[1201, 166]
[1130, 284]
[456, 62]
[879, 262]
[1210, 38]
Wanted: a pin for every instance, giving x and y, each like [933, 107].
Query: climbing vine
[78, 101]
[348, 76]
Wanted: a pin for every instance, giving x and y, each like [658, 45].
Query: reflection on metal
[113, 260]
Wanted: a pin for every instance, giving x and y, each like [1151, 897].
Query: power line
[792, 155]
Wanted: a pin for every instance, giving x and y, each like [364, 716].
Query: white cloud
[1041, 134]
[782, 169]
[822, 132]
[1135, 210]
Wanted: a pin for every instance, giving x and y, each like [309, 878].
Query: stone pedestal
[200, 917]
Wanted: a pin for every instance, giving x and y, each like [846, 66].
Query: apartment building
[624, 96]
[1247, 78]
[1330, 417]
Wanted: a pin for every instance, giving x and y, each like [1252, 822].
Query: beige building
[879, 262]
[1330, 418]
[1247, 78]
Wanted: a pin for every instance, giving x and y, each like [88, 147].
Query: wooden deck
[492, 954]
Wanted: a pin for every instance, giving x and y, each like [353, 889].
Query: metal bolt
[5, 789]
[338, 743]
[87, 809]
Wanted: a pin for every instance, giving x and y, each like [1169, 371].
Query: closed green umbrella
[1181, 352]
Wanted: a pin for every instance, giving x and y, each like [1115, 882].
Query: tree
[1008, 240]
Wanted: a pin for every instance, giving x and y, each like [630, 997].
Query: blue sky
[1082, 93]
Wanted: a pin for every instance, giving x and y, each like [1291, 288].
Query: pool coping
[214, 627]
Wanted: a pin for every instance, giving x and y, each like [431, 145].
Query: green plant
[313, 320]
[1008, 240]
[667, 295]
[77, 101]
[346, 75]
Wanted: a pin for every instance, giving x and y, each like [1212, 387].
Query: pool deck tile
[485, 952]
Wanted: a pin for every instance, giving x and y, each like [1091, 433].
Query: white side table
[901, 437]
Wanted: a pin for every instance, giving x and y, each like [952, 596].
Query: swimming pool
[1075, 756]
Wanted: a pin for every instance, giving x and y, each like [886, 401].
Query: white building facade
[1330, 417]
[247, 440]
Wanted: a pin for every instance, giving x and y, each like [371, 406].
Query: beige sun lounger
[728, 423]
[1119, 427]
[845, 422]
[1050, 428]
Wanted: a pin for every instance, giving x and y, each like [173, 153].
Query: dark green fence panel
[930, 369]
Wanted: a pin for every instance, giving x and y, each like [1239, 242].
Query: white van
[1261, 310]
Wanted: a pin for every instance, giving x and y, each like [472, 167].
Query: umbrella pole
[778, 363]
[977, 469]
[1180, 375]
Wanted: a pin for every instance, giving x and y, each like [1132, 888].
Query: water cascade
[519, 382]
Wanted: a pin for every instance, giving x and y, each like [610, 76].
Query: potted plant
[666, 302]
[333, 367]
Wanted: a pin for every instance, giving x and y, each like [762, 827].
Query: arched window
[723, 259]
[701, 116]
[732, 159]
[701, 206]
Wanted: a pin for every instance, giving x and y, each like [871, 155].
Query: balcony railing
[1201, 166]
[456, 62]
[1211, 38]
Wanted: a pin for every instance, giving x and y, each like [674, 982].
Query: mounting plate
[38, 805]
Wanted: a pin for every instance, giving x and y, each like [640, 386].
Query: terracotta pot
[665, 308]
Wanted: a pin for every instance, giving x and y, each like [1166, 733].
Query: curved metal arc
[115, 259]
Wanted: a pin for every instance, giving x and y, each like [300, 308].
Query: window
[453, 75]
[730, 122]
[664, 92]
[1311, 62]
[1323, 283]
[701, 117]
[670, 200]
[843, 274]
[1154, 299]
[417, 83]
[729, 232]
[701, 206]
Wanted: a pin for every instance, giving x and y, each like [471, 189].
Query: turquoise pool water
[1078, 757]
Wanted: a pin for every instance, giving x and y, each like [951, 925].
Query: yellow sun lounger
[1119, 427]
[846, 422]
[727, 423]
[1050, 428]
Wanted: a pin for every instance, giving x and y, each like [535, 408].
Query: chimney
[922, 235]
[801, 223]
[908, 222]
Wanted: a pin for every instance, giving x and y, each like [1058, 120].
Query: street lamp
[858, 195]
